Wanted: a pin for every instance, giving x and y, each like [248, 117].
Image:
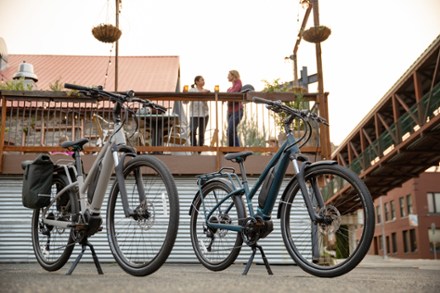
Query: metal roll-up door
[15, 229]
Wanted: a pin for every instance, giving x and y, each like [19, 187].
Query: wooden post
[322, 99]
[117, 47]
[217, 143]
[298, 41]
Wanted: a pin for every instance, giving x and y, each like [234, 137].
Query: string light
[108, 65]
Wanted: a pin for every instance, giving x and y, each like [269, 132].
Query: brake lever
[274, 108]
[318, 118]
[159, 108]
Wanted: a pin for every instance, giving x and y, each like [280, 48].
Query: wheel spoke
[53, 246]
[142, 242]
[337, 243]
[216, 248]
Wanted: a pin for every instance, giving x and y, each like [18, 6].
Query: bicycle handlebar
[278, 107]
[116, 97]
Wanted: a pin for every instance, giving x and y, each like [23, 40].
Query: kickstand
[80, 255]
[251, 259]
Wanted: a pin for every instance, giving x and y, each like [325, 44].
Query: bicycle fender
[292, 181]
[198, 192]
[125, 149]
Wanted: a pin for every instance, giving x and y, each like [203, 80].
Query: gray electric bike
[143, 208]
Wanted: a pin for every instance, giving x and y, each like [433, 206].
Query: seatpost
[243, 173]
[78, 162]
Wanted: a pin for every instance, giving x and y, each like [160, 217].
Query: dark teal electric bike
[326, 212]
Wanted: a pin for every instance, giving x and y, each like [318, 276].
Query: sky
[372, 44]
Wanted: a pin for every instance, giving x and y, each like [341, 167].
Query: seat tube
[80, 180]
[103, 180]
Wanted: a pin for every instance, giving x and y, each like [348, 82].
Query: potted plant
[316, 34]
[106, 33]
[299, 103]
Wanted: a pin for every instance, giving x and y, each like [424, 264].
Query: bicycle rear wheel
[336, 246]
[142, 242]
[216, 249]
[53, 245]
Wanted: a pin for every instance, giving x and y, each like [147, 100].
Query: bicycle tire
[53, 246]
[329, 250]
[140, 246]
[216, 249]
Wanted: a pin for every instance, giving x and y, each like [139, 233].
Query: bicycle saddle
[238, 157]
[77, 144]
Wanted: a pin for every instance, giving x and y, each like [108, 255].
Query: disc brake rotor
[145, 215]
[332, 220]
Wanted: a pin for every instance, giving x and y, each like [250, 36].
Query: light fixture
[305, 4]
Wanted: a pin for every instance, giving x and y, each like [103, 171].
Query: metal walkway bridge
[400, 138]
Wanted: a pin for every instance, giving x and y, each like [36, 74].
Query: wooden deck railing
[34, 121]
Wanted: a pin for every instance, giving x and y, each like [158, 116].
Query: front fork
[300, 171]
[119, 170]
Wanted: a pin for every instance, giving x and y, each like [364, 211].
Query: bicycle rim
[142, 243]
[53, 245]
[216, 249]
[334, 248]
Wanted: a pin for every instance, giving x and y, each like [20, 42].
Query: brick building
[409, 219]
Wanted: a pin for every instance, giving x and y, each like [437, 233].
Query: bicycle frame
[280, 162]
[110, 160]
[328, 240]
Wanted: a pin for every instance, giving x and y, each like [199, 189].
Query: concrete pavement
[374, 274]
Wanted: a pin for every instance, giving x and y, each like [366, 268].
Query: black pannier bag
[37, 182]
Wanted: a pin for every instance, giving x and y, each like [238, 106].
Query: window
[413, 240]
[394, 242]
[433, 202]
[387, 212]
[409, 240]
[409, 207]
[405, 236]
[378, 213]
[393, 210]
[402, 207]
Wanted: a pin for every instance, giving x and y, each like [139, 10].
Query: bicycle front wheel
[53, 245]
[336, 245]
[216, 249]
[141, 242]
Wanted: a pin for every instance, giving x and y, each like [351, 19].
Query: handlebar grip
[261, 100]
[160, 108]
[75, 87]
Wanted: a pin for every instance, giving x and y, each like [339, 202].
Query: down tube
[103, 180]
[280, 168]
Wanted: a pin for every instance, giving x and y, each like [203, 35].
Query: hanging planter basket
[316, 34]
[106, 33]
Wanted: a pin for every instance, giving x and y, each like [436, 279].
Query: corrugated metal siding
[16, 243]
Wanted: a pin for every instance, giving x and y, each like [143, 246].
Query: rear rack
[225, 172]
